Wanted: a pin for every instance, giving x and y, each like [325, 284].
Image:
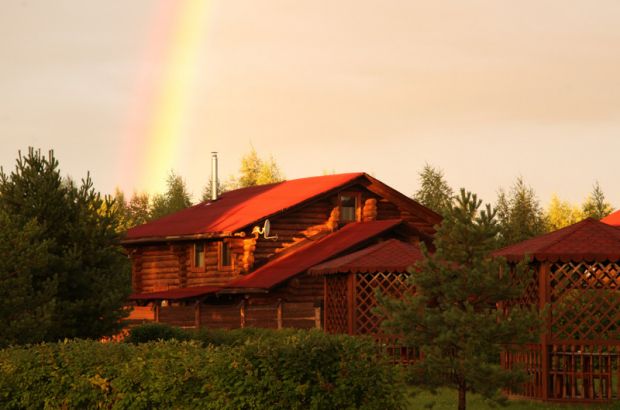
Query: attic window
[349, 203]
[199, 255]
[225, 256]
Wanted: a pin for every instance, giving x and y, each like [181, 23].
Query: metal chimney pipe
[214, 176]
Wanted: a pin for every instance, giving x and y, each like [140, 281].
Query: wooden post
[197, 314]
[156, 312]
[317, 317]
[242, 314]
[543, 291]
[279, 314]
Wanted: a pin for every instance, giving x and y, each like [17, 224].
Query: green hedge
[287, 370]
[152, 332]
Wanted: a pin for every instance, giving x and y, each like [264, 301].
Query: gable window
[199, 255]
[349, 203]
[225, 256]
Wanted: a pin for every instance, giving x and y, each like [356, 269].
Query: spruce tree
[452, 316]
[519, 214]
[434, 192]
[83, 256]
[597, 206]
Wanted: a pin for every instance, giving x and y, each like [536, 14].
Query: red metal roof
[174, 294]
[586, 240]
[612, 219]
[237, 209]
[389, 256]
[279, 270]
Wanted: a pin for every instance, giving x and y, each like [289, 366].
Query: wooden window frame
[193, 266]
[220, 248]
[358, 205]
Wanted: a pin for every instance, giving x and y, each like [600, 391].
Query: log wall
[155, 268]
[294, 228]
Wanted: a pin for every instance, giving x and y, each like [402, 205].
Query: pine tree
[596, 206]
[452, 316]
[26, 292]
[519, 214]
[83, 255]
[434, 192]
[174, 199]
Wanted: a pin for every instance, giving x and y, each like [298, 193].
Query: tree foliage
[255, 170]
[174, 199]
[519, 214]
[596, 205]
[562, 213]
[72, 231]
[221, 188]
[452, 316]
[136, 211]
[434, 191]
[26, 294]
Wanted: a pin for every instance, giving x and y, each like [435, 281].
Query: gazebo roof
[389, 256]
[589, 239]
[612, 219]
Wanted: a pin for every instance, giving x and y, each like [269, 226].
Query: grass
[446, 399]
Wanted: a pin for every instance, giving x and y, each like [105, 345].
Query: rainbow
[157, 126]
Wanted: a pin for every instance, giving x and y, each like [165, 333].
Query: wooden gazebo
[577, 278]
[350, 285]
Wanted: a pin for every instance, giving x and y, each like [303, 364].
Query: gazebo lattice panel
[393, 284]
[336, 304]
[579, 354]
[585, 304]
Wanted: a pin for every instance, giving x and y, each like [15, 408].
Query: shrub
[235, 337]
[303, 370]
[275, 370]
[151, 332]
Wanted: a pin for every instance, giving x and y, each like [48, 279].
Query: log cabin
[243, 258]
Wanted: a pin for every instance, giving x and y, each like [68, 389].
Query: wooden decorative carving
[369, 212]
[249, 246]
[334, 218]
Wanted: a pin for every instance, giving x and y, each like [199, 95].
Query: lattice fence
[393, 284]
[586, 372]
[529, 359]
[336, 304]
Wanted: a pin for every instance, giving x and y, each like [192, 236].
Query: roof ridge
[282, 182]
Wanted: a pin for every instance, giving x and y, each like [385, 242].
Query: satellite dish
[265, 230]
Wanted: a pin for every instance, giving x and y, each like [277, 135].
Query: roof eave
[175, 238]
[241, 290]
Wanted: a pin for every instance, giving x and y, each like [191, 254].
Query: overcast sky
[486, 90]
